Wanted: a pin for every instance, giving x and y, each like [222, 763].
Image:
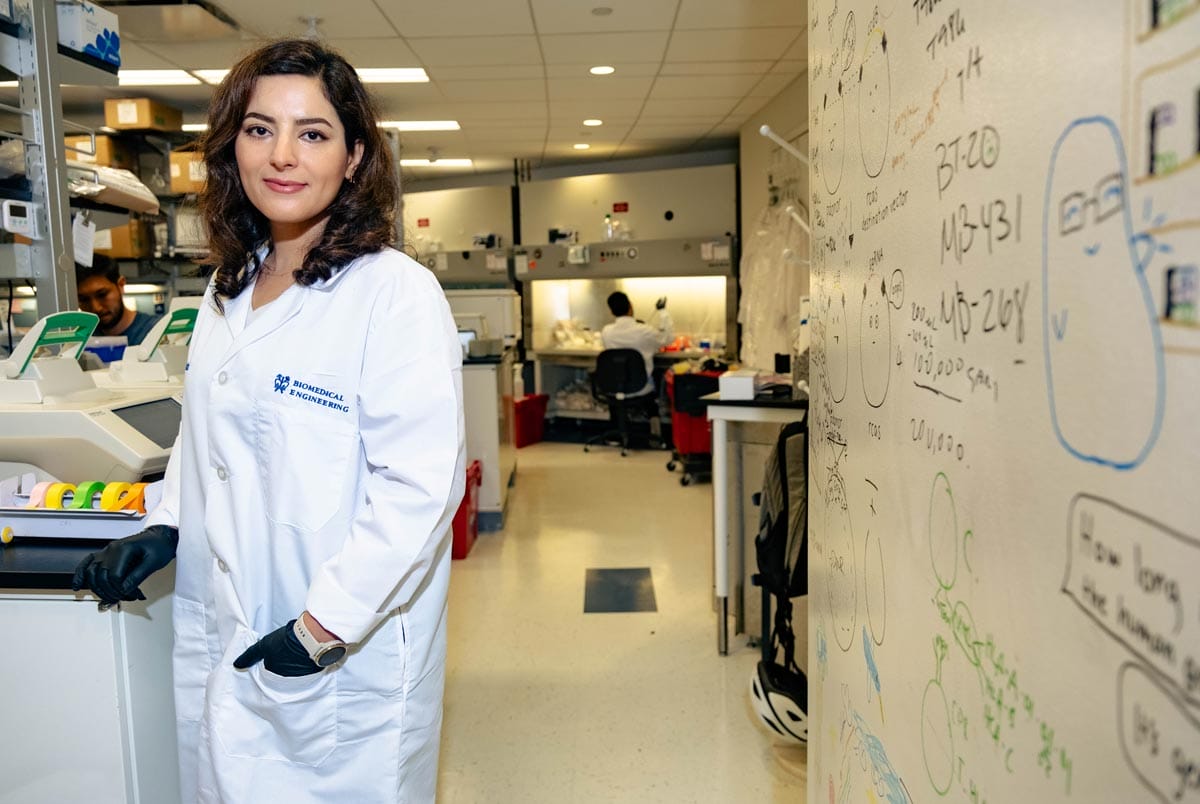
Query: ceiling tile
[623, 70]
[376, 52]
[717, 68]
[599, 88]
[607, 109]
[134, 57]
[487, 72]
[203, 55]
[527, 111]
[350, 18]
[458, 17]
[557, 17]
[520, 90]
[471, 51]
[799, 48]
[391, 96]
[744, 14]
[770, 86]
[789, 67]
[508, 133]
[696, 107]
[731, 44]
[747, 107]
[665, 132]
[448, 143]
[709, 86]
[592, 49]
[577, 133]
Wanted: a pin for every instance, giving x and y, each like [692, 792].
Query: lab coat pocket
[262, 715]
[191, 658]
[304, 460]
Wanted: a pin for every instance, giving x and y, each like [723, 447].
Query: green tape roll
[84, 493]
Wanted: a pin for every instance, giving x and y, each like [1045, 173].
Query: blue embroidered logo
[282, 382]
[313, 394]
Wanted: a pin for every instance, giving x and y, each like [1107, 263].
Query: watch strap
[316, 648]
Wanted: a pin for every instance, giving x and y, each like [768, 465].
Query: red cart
[691, 432]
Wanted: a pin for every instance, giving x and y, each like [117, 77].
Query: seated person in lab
[629, 333]
[101, 290]
[308, 501]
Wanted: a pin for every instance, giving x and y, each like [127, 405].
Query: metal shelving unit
[30, 50]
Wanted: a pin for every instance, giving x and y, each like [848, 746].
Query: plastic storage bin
[530, 418]
[466, 519]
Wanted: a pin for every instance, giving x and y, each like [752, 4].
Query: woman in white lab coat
[309, 497]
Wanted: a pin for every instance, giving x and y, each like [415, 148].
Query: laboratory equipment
[565, 309]
[161, 357]
[499, 310]
[53, 416]
[476, 268]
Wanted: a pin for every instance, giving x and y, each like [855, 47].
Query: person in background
[629, 333]
[101, 290]
[309, 496]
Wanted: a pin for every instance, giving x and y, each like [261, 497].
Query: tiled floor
[547, 704]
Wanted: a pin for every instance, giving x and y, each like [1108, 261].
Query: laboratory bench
[89, 694]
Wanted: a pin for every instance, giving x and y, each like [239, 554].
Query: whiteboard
[1005, 464]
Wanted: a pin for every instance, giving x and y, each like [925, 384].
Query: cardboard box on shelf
[188, 171]
[89, 29]
[128, 242]
[109, 152]
[141, 114]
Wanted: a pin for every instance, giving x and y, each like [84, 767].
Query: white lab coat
[319, 465]
[629, 333]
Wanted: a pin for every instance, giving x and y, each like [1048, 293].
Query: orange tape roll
[56, 493]
[134, 498]
[110, 498]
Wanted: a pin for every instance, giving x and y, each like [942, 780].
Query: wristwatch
[322, 653]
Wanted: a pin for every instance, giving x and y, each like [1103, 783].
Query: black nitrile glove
[280, 652]
[116, 572]
[661, 303]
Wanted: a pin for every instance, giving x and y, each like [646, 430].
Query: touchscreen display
[157, 421]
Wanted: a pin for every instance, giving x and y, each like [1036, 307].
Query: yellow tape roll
[83, 495]
[110, 498]
[37, 497]
[56, 493]
[135, 498]
[6, 535]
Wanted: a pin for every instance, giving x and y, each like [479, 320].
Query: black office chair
[620, 374]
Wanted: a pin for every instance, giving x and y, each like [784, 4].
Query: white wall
[702, 200]
[787, 115]
[456, 216]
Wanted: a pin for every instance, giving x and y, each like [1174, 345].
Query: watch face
[331, 656]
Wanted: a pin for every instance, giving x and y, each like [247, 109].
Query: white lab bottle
[608, 227]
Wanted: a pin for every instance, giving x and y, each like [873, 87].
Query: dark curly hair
[361, 214]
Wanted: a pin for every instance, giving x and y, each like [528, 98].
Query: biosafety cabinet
[566, 288]
[474, 268]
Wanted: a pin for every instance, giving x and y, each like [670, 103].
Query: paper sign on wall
[83, 232]
[521, 264]
[441, 262]
[621, 206]
[422, 223]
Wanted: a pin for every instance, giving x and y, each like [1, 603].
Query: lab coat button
[222, 566]
[221, 473]
[222, 378]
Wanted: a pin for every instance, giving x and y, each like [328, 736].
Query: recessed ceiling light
[601, 11]
[155, 78]
[591, 121]
[602, 70]
[581, 146]
[195, 126]
[213, 77]
[436, 163]
[393, 75]
[421, 125]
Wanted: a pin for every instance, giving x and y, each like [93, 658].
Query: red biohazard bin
[530, 418]
[466, 519]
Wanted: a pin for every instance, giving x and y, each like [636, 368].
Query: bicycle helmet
[780, 698]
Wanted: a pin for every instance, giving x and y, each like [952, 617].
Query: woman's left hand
[281, 653]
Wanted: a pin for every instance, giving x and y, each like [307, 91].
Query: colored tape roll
[84, 493]
[110, 498]
[56, 493]
[135, 498]
[7, 535]
[37, 497]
